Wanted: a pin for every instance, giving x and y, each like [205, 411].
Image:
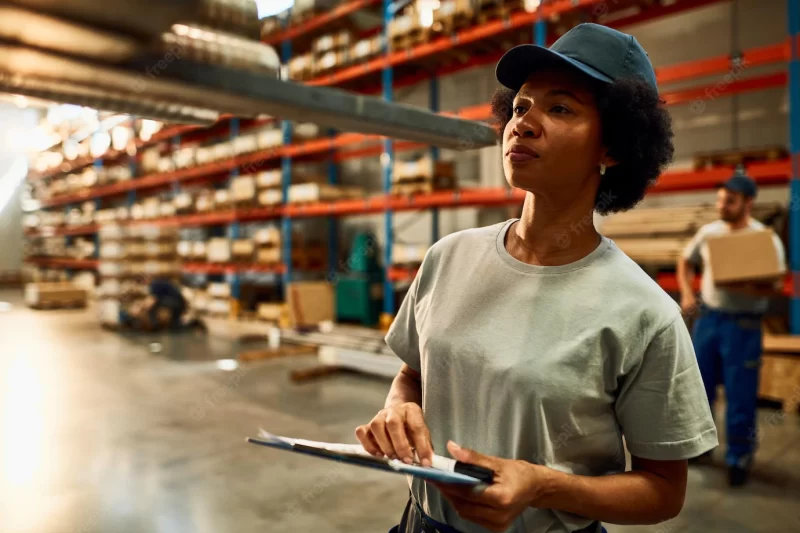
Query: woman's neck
[550, 235]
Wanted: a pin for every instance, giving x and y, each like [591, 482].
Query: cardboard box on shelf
[302, 67]
[222, 198]
[270, 197]
[218, 250]
[744, 256]
[184, 249]
[310, 302]
[268, 179]
[365, 49]
[243, 189]
[268, 236]
[151, 208]
[332, 60]
[219, 290]
[243, 249]
[199, 250]
[334, 41]
[204, 202]
[403, 254]
[425, 168]
[269, 138]
[273, 312]
[183, 202]
[269, 256]
[244, 144]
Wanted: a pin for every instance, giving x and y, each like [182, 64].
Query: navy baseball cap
[602, 53]
[743, 184]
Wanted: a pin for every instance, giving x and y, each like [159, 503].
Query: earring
[602, 169]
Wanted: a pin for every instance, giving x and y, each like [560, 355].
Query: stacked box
[129, 256]
[243, 250]
[268, 245]
[365, 49]
[218, 250]
[302, 67]
[243, 190]
[54, 295]
[331, 51]
[219, 299]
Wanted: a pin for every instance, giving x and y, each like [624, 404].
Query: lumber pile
[657, 236]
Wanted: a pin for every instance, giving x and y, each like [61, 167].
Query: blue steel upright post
[286, 180]
[387, 161]
[794, 148]
[333, 226]
[233, 278]
[433, 100]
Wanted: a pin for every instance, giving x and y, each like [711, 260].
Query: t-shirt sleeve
[692, 250]
[402, 337]
[780, 251]
[662, 405]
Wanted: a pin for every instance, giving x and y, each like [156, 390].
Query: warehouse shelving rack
[385, 67]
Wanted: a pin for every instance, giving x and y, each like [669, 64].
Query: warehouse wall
[700, 126]
[14, 122]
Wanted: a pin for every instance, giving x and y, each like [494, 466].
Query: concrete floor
[99, 434]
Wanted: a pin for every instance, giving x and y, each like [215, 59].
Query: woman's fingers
[378, 429]
[364, 436]
[420, 436]
[396, 428]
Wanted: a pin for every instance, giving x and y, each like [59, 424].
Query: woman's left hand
[517, 485]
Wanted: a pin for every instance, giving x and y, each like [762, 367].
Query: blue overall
[728, 349]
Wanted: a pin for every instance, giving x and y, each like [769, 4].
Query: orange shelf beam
[318, 22]
[231, 268]
[64, 262]
[87, 229]
[396, 273]
[442, 44]
[755, 57]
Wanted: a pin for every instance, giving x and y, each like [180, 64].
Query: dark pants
[728, 348]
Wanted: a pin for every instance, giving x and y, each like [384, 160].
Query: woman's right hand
[396, 432]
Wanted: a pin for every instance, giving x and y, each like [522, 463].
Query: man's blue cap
[603, 53]
[743, 184]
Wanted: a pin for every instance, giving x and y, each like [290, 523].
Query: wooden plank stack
[657, 236]
[54, 296]
[423, 176]
[734, 158]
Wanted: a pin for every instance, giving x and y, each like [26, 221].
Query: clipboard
[394, 466]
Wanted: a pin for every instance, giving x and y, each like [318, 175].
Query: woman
[533, 346]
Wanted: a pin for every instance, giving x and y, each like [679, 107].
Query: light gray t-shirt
[552, 365]
[717, 297]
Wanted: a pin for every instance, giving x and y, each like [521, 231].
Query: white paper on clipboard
[423, 472]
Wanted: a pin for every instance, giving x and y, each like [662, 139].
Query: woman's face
[552, 144]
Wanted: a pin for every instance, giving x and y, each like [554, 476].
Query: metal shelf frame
[773, 173]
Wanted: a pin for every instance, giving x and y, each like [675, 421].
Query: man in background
[727, 334]
[163, 308]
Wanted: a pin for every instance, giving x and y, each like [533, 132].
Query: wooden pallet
[44, 305]
[497, 9]
[733, 158]
[452, 23]
[406, 41]
[422, 185]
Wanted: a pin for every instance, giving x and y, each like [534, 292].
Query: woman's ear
[607, 160]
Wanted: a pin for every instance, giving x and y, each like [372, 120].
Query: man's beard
[736, 216]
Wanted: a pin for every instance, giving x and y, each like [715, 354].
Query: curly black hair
[636, 129]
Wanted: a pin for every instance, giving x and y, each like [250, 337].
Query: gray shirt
[552, 365]
[717, 297]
